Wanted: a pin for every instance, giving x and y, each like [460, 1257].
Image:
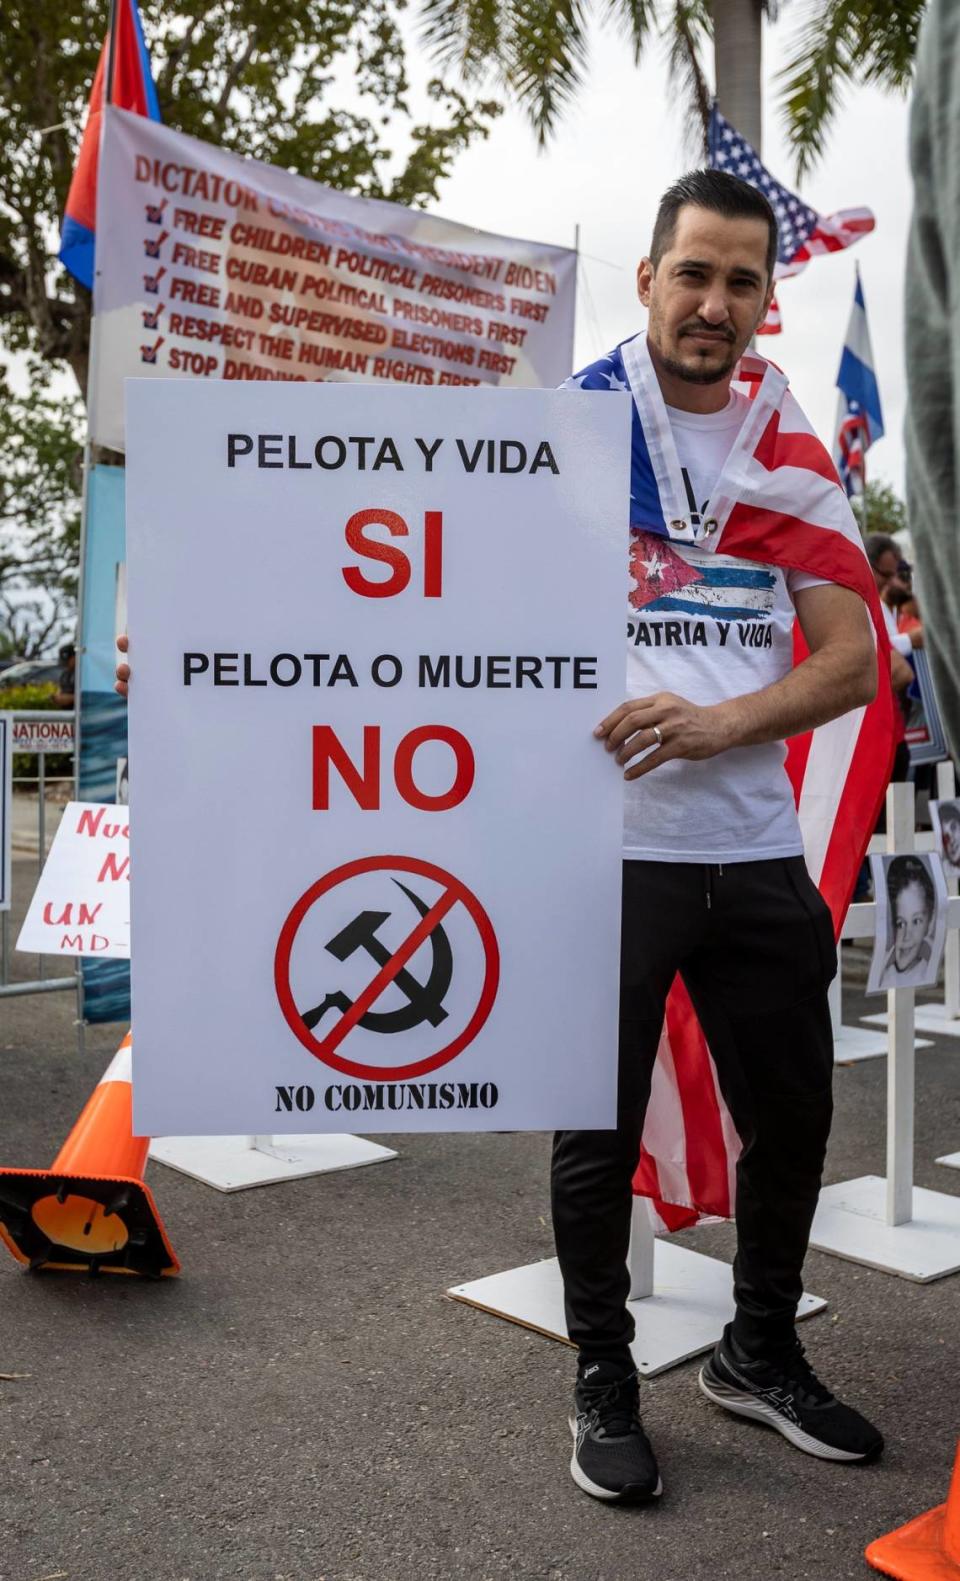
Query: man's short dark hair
[880, 543]
[721, 194]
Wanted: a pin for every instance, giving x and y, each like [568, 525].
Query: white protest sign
[371, 633]
[213, 266]
[6, 808]
[81, 905]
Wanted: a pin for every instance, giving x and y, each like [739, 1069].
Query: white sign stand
[680, 1300]
[942, 1019]
[851, 1044]
[889, 1223]
[232, 1163]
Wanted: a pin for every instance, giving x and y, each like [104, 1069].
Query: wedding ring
[656, 731]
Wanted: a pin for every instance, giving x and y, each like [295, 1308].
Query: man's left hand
[670, 725]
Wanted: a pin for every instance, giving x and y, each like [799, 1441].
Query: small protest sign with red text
[81, 905]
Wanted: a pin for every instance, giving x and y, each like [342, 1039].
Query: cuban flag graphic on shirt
[722, 587]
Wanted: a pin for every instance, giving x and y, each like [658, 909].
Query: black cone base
[83, 1224]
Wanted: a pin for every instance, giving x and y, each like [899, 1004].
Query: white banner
[213, 266]
[376, 844]
[81, 905]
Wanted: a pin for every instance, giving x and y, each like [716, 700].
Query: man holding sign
[738, 527]
[714, 885]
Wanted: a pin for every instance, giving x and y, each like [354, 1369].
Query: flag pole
[111, 53]
[864, 420]
[84, 529]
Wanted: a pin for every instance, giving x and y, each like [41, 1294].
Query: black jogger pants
[753, 943]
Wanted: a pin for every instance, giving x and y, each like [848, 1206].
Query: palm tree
[538, 52]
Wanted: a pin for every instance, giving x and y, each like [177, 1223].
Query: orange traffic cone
[926, 1549]
[90, 1210]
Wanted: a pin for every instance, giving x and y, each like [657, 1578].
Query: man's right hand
[123, 670]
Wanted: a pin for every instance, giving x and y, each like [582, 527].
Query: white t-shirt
[899, 640]
[709, 627]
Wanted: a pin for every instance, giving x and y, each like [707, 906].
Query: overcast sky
[618, 149]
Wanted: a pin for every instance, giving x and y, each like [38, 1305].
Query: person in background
[908, 610]
[950, 832]
[932, 346]
[67, 680]
[885, 558]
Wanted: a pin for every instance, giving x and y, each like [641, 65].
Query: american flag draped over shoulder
[803, 233]
[778, 501]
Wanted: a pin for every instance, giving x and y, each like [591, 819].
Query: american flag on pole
[804, 234]
[778, 501]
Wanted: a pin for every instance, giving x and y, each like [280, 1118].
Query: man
[932, 345]
[67, 680]
[892, 575]
[715, 886]
[883, 552]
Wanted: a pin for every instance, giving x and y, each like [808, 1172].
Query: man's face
[892, 589]
[911, 922]
[950, 833]
[708, 295]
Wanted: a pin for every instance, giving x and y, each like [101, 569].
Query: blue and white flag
[859, 415]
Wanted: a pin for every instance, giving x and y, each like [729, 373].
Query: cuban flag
[132, 89]
[777, 501]
[803, 233]
[859, 415]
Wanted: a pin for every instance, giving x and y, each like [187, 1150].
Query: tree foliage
[538, 52]
[40, 483]
[841, 43]
[259, 79]
[880, 509]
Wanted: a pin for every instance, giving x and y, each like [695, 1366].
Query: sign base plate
[851, 1044]
[857, 1043]
[233, 1163]
[926, 1018]
[692, 1301]
[851, 1222]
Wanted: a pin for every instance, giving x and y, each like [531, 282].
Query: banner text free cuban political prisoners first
[375, 862]
[209, 265]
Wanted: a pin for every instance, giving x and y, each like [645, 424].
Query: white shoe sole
[593, 1488]
[742, 1404]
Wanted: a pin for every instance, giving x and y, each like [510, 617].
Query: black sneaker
[612, 1458]
[785, 1393]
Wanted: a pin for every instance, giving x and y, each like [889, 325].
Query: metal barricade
[38, 732]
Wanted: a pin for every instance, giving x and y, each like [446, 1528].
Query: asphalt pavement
[306, 1404]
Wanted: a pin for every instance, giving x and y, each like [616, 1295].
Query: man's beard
[701, 375]
[693, 374]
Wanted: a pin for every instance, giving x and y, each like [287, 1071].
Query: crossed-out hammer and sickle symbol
[424, 1000]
